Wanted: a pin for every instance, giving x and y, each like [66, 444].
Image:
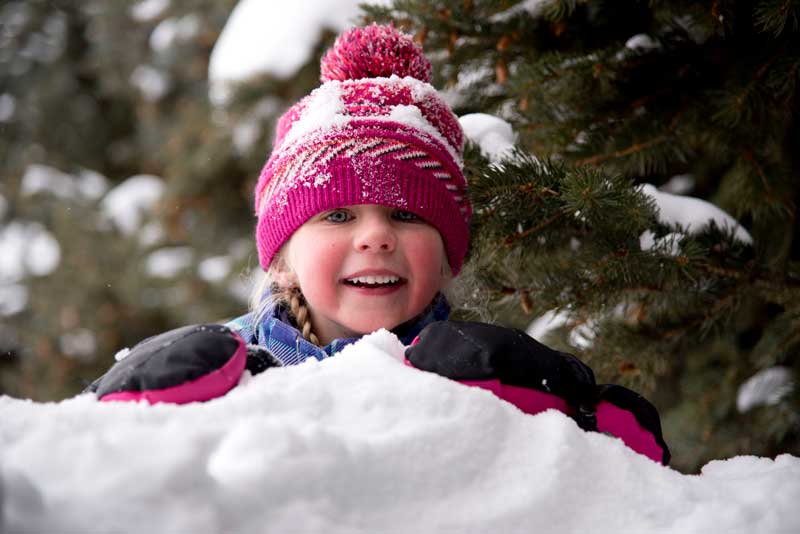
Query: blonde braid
[299, 309]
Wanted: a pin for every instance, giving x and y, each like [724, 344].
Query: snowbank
[358, 443]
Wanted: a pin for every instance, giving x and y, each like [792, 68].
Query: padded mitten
[192, 363]
[472, 352]
[533, 377]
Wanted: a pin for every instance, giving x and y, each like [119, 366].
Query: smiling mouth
[370, 282]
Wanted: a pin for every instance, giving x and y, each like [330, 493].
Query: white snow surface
[126, 203]
[359, 443]
[151, 233]
[169, 262]
[492, 134]
[533, 7]
[27, 248]
[680, 184]
[550, 320]
[765, 388]
[215, 269]
[692, 214]
[151, 82]
[275, 38]
[172, 31]
[669, 244]
[7, 106]
[13, 298]
[325, 111]
[45, 179]
[147, 10]
[641, 41]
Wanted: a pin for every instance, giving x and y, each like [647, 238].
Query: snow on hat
[374, 132]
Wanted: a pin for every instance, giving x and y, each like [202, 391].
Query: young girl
[363, 220]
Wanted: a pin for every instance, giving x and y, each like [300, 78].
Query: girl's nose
[375, 234]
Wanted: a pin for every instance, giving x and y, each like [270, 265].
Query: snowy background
[359, 443]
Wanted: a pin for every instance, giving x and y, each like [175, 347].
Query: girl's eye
[338, 216]
[406, 216]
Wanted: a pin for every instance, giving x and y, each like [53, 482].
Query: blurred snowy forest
[126, 196]
[132, 133]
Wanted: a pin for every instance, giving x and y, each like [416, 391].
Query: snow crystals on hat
[379, 73]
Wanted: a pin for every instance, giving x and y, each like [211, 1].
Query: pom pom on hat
[372, 52]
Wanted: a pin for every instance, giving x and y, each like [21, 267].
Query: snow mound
[493, 135]
[274, 38]
[359, 443]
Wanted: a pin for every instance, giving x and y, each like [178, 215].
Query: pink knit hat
[375, 132]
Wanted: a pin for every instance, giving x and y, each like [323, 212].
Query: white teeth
[373, 280]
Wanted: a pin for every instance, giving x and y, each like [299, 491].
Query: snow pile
[641, 41]
[7, 106]
[549, 321]
[13, 298]
[126, 203]
[215, 269]
[493, 135]
[147, 10]
[27, 248]
[581, 333]
[765, 388]
[535, 8]
[169, 262]
[680, 184]
[275, 38]
[359, 443]
[151, 82]
[172, 31]
[691, 214]
[45, 179]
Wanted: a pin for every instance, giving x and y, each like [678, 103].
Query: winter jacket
[202, 362]
[277, 332]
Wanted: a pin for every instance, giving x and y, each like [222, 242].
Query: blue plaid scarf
[277, 332]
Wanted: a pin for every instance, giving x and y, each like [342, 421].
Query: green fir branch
[777, 16]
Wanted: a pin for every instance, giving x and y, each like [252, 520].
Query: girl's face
[365, 267]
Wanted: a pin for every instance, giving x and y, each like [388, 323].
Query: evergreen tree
[695, 97]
